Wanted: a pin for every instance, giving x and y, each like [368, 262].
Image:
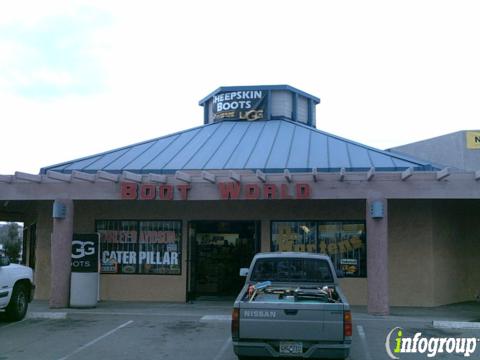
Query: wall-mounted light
[59, 210]
[377, 210]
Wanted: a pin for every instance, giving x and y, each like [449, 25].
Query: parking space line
[363, 337]
[94, 341]
[87, 312]
[223, 349]
[12, 324]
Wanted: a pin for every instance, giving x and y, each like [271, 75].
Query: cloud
[77, 78]
[52, 55]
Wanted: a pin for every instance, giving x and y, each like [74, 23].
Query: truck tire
[18, 305]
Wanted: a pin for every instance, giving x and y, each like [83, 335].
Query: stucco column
[61, 253]
[377, 255]
[265, 235]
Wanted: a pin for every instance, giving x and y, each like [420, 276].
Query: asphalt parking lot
[192, 331]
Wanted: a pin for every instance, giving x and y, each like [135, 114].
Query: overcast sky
[78, 78]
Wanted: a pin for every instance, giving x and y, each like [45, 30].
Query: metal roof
[270, 146]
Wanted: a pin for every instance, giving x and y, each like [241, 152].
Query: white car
[16, 289]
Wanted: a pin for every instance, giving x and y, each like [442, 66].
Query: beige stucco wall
[355, 290]
[410, 253]
[173, 288]
[472, 249]
[434, 251]
[456, 235]
[433, 245]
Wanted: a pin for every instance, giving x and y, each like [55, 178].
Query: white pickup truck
[16, 289]
[291, 306]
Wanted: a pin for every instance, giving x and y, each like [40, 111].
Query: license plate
[291, 347]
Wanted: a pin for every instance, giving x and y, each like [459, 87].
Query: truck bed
[290, 317]
[288, 294]
[291, 305]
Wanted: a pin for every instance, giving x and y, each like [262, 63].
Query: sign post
[84, 284]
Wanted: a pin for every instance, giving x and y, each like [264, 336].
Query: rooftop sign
[473, 139]
[239, 105]
[259, 102]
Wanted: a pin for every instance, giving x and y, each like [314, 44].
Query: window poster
[343, 241]
[140, 247]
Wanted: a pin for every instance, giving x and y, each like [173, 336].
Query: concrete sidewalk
[462, 312]
[40, 309]
[467, 311]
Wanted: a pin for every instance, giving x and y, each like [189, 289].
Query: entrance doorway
[218, 249]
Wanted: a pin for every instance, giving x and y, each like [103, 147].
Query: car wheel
[17, 307]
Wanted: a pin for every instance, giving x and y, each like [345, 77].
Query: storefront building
[180, 214]
[458, 150]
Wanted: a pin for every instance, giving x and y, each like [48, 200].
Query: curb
[455, 325]
[47, 315]
[216, 318]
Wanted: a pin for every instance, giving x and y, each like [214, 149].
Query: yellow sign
[473, 139]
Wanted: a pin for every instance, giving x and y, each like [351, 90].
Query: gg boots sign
[85, 254]
[84, 281]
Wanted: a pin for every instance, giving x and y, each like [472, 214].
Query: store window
[343, 241]
[294, 236]
[140, 247]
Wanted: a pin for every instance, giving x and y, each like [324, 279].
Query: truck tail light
[235, 323]
[347, 323]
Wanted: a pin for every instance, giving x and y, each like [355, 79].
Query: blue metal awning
[270, 146]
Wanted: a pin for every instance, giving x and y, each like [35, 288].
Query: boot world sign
[224, 191]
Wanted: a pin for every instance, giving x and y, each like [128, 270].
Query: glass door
[218, 249]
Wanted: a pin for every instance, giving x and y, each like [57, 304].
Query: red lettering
[165, 192]
[229, 190]
[129, 191]
[284, 192]
[147, 192]
[252, 192]
[303, 191]
[183, 191]
[269, 191]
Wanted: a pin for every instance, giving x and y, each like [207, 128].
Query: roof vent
[253, 103]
